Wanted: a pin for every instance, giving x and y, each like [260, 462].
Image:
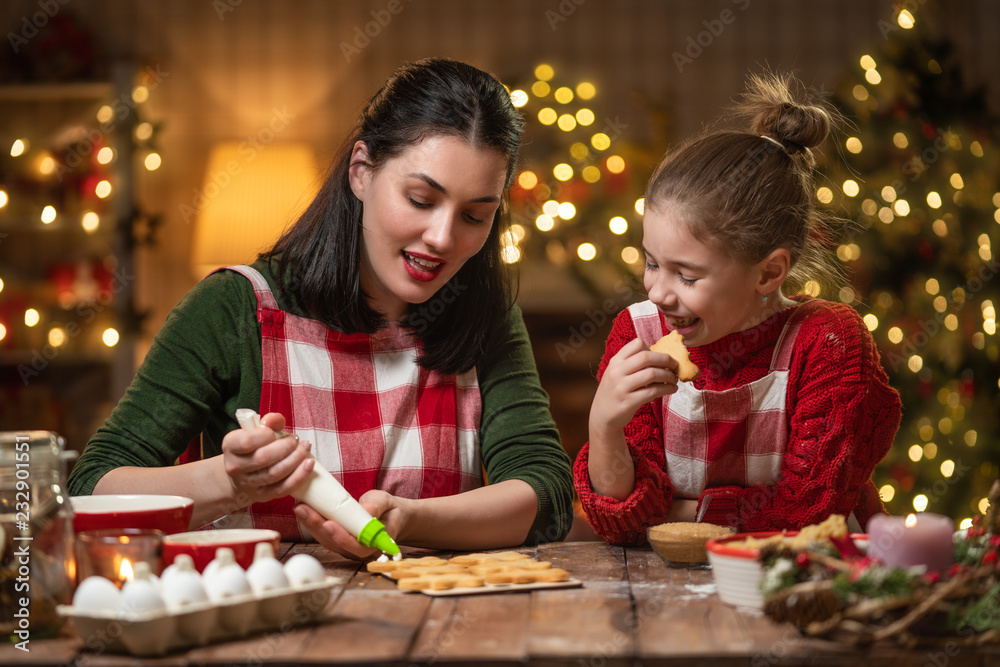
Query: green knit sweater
[205, 362]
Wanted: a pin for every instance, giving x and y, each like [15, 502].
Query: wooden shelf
[74, 390]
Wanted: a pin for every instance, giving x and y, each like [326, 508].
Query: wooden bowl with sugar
[682, 544]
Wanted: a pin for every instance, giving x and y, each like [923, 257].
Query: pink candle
[918, 539]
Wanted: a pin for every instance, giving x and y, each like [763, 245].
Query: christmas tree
[917, 173]
[577, 203]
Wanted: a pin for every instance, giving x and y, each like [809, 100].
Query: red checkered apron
[376, 419]
[734, 437]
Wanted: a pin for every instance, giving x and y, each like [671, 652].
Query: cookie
[673, 344]
[441, 582]
[473, 570]
[384, 567]
[522, 565]
[422, 570]
[482, 558]
[523, 576]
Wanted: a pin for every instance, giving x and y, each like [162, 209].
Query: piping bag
[324, 493]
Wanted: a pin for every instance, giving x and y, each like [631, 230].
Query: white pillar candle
[918, 539]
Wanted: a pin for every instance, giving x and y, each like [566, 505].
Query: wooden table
[631, 610]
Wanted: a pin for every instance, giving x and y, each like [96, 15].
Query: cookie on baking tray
[381, 567]
[468, 571]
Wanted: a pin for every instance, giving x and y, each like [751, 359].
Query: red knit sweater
[842, 418]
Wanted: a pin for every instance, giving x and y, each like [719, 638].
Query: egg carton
[158, 633]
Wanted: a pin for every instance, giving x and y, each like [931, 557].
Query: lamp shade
[249, 195]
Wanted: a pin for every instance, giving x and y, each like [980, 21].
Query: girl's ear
[358, 169]
[773, 270]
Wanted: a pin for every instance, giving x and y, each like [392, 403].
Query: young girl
[791, 410]
[380, 332]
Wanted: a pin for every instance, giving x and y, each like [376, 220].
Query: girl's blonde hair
[748, 193]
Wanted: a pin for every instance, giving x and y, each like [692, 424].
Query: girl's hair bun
[789, 116]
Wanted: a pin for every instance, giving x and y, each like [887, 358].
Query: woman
[380, 332]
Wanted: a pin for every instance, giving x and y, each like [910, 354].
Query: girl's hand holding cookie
[633, 377]
[265, 463]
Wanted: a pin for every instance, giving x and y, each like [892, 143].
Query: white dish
[737, 571]
[158, 633]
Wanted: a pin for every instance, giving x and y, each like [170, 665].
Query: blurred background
[143, 143]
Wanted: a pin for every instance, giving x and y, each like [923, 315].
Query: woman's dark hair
[750, 193]
[319, 257]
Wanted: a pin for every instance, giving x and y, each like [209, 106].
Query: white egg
[96, 593]
[180, 560]
[303, 569]
[181, 585]
[227, 579]
[142, 594]
[266, 573]
[223, 556]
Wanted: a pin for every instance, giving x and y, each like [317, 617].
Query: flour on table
[698, 592]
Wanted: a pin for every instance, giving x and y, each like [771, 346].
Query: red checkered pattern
[735, 437]
[375, 418]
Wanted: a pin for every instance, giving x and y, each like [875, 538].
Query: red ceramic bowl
[201, 545]
[171, 514]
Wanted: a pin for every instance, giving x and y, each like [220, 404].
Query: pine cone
[803, 604]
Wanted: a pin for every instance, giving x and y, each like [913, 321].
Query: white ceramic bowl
[737, 571]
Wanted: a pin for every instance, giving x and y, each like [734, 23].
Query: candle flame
[911, 520]
[125, 571]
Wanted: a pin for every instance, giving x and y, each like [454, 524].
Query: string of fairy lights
[547, 199]
[32, 158]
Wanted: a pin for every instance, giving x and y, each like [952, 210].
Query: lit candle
[114, 554]
[125, 571]
[923, 539]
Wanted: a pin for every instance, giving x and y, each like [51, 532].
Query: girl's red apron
[733, 437]
[376, 420]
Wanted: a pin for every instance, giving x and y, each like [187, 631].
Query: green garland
[840, 593]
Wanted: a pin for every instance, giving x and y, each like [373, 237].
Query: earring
[764, 299]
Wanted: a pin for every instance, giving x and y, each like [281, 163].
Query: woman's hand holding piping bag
[265, 463]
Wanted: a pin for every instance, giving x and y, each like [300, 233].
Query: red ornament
[990, 558]
[860, 565]
[847, 548]
[802, 559]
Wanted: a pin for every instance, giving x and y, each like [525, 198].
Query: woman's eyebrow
[489, 199]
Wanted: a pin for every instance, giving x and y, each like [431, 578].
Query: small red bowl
[202, 544]
[171, 514]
